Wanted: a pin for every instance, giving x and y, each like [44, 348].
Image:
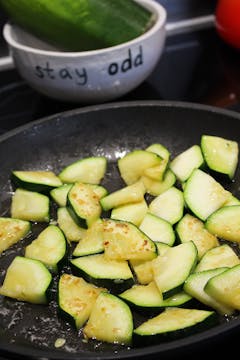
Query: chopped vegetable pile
[164, 245]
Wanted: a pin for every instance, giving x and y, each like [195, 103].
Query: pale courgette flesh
[27, 280]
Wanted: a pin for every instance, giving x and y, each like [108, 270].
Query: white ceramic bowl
[88, 76]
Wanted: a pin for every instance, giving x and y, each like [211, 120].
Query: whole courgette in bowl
[77, 25]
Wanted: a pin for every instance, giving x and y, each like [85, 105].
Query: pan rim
[122, 104]
[21, 350]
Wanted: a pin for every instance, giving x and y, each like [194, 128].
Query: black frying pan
[110, 130]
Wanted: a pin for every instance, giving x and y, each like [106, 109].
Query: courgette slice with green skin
[59, 194]
[183, 164]
[220, 256]
[12, 231]
[49, 247]
[154, 187]
[221, 155]
[233, 200]
[30, 206]
[169, 205]
[160, 150]
[203, 194]
[142, 270]
[157, 172]
[224, 287]
[83, 204]
[190, 228]
[195, 284]
[89, 170]
[123, 240]
[72, 231]
[80, 25]
[91, 242]
[110, 321]
[171, 269]
[158, 229]
[76, 298]
[180, 299]
[173, 323]
[97, 269]
[27, 280]
[132, 165]
[225, 223]
[129, 194]
[148, 298]
[39, 181]
[143, 297]
[133, 213]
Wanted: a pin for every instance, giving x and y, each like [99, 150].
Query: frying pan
[111, 130]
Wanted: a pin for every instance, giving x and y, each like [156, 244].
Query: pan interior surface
[110, 130]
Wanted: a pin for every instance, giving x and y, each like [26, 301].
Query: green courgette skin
[77, 25]
[146, 340]
[36, 187]
[116, 286]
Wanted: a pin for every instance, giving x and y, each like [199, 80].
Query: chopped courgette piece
[142, 270]
[190, 228]
[224, 287]
[195, 284]
[180, 299]
[154, 187]
[173, 323]
[148, 298]
[221, 155]
[225, 223]
[133, 213]
[156, 172]
[171, 269]
[203, 194]
[169, 205]
[59, 194]
[143, 297]
[157, 229]
[133, 164]
[83, 204]
[39, 181]
[233, 200]
[91, 242]
[220, 256]
[129, 194]
[72, 231]
[110, 321]
[76, 298]
[49, 247]
[89, 170]
[125, 241]
[184, 163]
[11, 231]
[26, 280]
[30, 206]
[160, 150]
[97, 269]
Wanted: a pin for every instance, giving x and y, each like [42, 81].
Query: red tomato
[228, 21]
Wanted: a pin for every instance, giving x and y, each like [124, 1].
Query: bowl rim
[152, 5]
